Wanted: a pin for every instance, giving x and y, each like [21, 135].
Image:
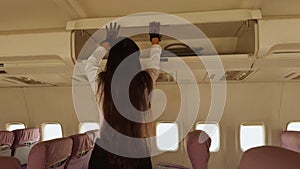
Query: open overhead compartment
[231, 34]
[35, 59]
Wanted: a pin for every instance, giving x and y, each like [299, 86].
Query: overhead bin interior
[232, 33]
[227, 38]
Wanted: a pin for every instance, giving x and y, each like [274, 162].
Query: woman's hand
[112, 34]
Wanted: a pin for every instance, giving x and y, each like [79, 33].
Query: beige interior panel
[52, 104]
[13, 107]
[172, 92]
[290, 106]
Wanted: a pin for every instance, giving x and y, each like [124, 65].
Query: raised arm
[152, 66]
[92, 64]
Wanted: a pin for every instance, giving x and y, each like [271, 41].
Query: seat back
[23, 142]
[290, 140]
[272, 157]
[9, 163]
[93, 135]
[50, 154]
[82, 145]
[197, 146]
[6, 141]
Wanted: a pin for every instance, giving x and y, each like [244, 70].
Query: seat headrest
[52, 153]
[197, 145]
[82, 144]
[25, 137]
[93, 134]
[6, 139]
[290, 140]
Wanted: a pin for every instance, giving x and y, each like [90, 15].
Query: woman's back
[124, 97]
[102, 159]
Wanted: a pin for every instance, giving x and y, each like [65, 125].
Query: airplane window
[87, 126]
[167, 136]
[251, 135]
[14, 126]
[293, 126]
[213, 130]
[51, 131]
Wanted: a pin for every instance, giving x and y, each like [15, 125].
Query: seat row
[74, 152]
[71, 152]
[286, 156]
[283, 157]
[18, 143]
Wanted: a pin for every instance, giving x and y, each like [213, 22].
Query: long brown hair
[140, 87]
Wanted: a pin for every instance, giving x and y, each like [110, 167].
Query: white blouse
[92, 69]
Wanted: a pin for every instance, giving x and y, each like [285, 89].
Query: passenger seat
[82, 145]
[23, 142]
[197, 145]
[93, 135]
[50, 154]
[270, 157]
[290, 140]
[6, 141]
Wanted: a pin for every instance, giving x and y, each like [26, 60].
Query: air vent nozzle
[26, 80]
[237, 75]
[3, 72]
[296, 78]
[180, 49]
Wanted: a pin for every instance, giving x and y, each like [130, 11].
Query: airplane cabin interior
[229, 72]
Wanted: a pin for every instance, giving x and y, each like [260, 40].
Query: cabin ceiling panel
[278, 7]
[96, 8]
[31, 14]
[48, 14]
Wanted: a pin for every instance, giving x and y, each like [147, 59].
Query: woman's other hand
[154, 30]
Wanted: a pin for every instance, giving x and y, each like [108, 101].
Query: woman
[111, 91]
